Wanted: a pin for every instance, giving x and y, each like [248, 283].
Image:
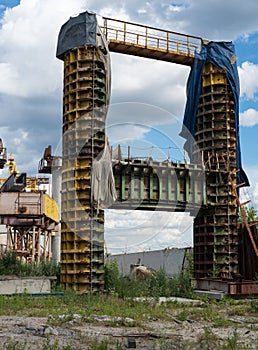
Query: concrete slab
[161, 300]
[31, 285]
[212, 294]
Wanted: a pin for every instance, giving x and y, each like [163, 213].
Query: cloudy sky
[148, 96]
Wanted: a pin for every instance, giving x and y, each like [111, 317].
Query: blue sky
[148, 97]
[8, 3]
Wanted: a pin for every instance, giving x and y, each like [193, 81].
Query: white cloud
[9, 79]
[248, 73]
[16, 142]
[251, 193]
[155, 82]
[215, 20]
[28, 36]
[141, 230]
[249, 117]
[255, 196]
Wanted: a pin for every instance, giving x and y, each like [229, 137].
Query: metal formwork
[215, 227]
[84, 112]
[163, 186]
[85, 98]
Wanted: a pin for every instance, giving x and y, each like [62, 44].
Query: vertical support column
[215, 228]
[85, 100]
[45, 244]
[50, 246]
[56, 171]
[38, 245]
[14, 239]
[33, 243]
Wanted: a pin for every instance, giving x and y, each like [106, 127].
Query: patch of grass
[232, 342]
[213, 314]
[54, 345]
[182, 315]
[13, 345]
[85, 306]
[221, 322]
[254, 306]
[208, 340]
[105, 345]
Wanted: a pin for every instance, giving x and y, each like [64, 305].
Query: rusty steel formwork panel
[84, 113]
[215, 227]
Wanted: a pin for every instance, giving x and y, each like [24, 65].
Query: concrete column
[56, 172]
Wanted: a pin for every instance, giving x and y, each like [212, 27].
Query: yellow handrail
[150, 37]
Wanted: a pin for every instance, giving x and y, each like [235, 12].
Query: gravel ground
[73, 332]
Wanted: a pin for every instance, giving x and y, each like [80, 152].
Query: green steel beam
[127, 173]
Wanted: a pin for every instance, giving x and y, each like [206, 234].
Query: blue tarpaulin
[221, 55]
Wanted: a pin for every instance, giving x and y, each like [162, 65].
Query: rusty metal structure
[29, 214]
[159, 186]
[30, 218]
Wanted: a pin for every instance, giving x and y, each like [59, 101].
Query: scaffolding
[215, 227]
[82, 236]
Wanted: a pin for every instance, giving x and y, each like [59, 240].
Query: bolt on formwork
[215, 227]
[85, 97]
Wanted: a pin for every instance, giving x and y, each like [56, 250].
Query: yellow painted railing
[150, 37]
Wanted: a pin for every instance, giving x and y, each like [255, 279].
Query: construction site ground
[40, 323]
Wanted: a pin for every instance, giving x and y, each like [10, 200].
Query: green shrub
[111, 276]
[154, 285]
[11, 265]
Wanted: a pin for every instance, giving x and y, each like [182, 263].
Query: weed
[14, 345]
[182, 316]
[232, 343]
[254, 306]
[156, 285]
[105, 345]
[208, 340]
[111, 276]
[54, 345]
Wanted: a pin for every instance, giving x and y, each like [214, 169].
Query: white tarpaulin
[103, 190]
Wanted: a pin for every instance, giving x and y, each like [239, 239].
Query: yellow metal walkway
[139, 40]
